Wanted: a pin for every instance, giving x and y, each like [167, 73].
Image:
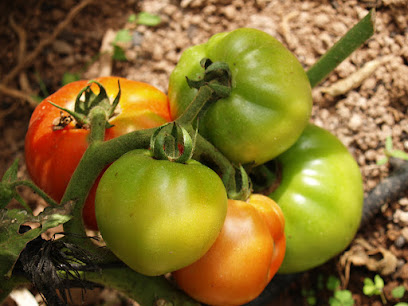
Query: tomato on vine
[244, 258]
[55, 141]
[270, 100]
[321, 196]
[158, 216]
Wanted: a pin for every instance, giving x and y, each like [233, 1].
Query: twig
[43, 43]
[22, 46]
[17, 94]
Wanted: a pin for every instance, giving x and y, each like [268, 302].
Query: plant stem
[146, 290]
[209, 155]
[37, 190]
[98, 124]
[203, 97]
[95, 159]
[351, 41]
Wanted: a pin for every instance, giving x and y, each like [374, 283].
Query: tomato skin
[52, 156]
[321, 195]
[270, 103]
[170, 213]
[243, 259]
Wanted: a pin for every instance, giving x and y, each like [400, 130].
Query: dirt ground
[41, 40]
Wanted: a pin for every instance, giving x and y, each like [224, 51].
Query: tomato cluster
[158, 215]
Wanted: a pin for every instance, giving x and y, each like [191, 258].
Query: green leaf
[369, 288]
[132, 18]
[379, 282]
[69, 77]
[342, 298]
[36, 98]
[311, 300]
[11, 173]
[399, 154]
[119, 54]
[333, 283]
[148, 19]
[398, 292]
[382, 161]
[12, 242]
[8, 188]
[123, 36]
[401, 304]
[388, 143]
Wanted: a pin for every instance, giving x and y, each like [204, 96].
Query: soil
[43, 40]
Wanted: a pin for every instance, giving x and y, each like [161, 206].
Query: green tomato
[321, 196]
[270, 103]
[158, 216]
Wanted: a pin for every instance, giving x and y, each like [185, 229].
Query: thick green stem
[146, 290]
[96, 158]
[203, 97]
[351, 41]
[98, 124]
[98, 155]
[209, 155]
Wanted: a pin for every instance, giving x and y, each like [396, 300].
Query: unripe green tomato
[270, 101]
[321, 196]
[158, 216]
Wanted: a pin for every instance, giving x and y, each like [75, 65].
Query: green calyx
[216, 75]
[85, 101]
[172, 142]
[212, 85]
[238, 184]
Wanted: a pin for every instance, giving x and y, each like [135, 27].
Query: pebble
[62, 47]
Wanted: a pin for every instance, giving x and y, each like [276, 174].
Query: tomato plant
[158, 216]
[253, 102]
[55, 143]
[321, 196]
[243, 259]
[270, 101]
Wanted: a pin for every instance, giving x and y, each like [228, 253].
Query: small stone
[403, 202]
[62, 47]
[230, 12]
[137, 38]
[355, 122]
[404, 233]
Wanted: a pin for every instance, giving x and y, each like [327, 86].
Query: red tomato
[243, 259]
[52, 155]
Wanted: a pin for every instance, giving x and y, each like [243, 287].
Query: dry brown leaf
[355, 79]
[364, 254]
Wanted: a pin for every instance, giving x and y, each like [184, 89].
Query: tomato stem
[98, 155]
[214, 84]
[209, 155]
[146, 290]
[99, 119]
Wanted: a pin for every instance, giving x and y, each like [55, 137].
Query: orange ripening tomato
[244, 258]
[52, 155]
